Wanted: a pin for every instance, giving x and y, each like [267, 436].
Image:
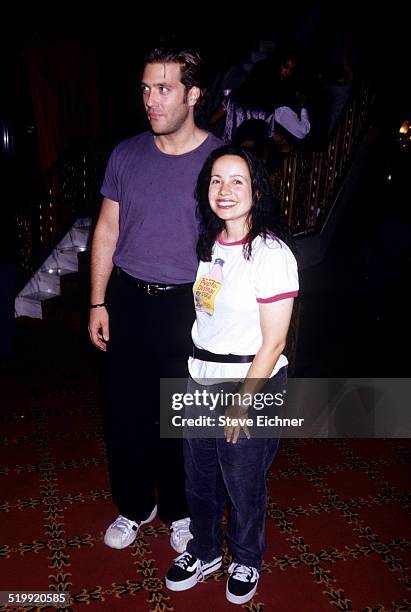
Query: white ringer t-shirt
[227, 294]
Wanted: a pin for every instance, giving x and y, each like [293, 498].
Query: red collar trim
[221, 241]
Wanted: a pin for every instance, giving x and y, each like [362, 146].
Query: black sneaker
[242, 583]
[187, 570]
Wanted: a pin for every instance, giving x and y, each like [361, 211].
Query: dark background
[370, 254]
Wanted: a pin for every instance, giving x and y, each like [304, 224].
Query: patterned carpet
[338, 519]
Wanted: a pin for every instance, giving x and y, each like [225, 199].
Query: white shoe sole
[128, 543]
[237, 599]
[184, 585]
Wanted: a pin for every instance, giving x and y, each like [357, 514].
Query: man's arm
[102, 250]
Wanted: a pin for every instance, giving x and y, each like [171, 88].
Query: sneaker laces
[183, 560]
[123, 524]
[180, 528]
[243, 573]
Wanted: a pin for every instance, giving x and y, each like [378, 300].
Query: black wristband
[98, 305]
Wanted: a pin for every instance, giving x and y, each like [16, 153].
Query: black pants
[150, 338]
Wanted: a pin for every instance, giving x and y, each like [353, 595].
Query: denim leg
[206, 497]
[244, 466]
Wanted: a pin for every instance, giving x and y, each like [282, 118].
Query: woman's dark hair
[265, 217]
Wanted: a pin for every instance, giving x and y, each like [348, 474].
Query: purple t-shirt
[158, 221]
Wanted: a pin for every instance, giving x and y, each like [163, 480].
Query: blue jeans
[217, 471]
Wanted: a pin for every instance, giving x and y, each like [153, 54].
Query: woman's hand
[232, 431]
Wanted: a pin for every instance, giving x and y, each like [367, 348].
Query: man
[147, 231]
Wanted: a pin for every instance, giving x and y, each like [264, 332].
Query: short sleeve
[109, 188]
[275, 274]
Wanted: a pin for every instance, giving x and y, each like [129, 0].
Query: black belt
[153, 289]
[207, 356]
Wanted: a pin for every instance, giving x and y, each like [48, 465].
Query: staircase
[53, 291]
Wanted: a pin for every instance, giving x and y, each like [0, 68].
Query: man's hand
[98, 327]
[231, 432]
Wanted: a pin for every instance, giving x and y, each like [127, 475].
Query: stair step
[30, 305]
[39, 296]
[56, 271]
[73, 248]
[62, 263]
[83, 229]
[83, 223]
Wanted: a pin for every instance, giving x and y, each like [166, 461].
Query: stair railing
[311, 179]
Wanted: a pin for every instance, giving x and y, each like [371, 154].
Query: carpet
[338, 518]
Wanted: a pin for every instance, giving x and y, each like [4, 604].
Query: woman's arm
[275, 320]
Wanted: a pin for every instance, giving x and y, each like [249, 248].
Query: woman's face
[230, 191]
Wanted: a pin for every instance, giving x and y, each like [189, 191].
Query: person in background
[270, 93]
[253, 135]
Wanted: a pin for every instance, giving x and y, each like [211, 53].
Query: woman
[246, 282]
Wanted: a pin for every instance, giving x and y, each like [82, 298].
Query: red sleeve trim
[276, 298]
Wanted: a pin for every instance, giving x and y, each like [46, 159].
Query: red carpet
[338, 522]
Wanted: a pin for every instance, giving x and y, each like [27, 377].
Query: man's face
[166, 101]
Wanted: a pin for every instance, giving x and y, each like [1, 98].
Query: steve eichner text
[226, 421]
[212, 400]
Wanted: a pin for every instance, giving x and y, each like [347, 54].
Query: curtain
[64, 83]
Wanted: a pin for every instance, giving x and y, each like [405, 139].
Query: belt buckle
[151, 290]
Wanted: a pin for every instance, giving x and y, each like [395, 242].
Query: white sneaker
[180, 534]
[123, 532]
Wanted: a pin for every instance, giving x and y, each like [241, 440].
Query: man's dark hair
[192, 66]
[265, 217]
